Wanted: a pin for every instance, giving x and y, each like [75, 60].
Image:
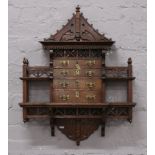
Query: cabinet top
[78, 32]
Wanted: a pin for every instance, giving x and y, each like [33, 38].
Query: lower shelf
[64, 116]
[75, 117]
[77, 121]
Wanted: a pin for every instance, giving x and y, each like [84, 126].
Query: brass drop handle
[91, 84]
[91, 63]
[64, 62]
[77, 94]
[77, 66]
[90, 97]
[64, 97]
[64, 84]
[77, 70]
[64, 73]
[89, 73]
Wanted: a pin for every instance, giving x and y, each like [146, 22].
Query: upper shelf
[36, 78]
[73, 105]
[118, 78]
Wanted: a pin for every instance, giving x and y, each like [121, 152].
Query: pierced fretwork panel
[117, 111]
[38, 111]
[78, 111]
[40, 71]
[77, 53]
[116, 72]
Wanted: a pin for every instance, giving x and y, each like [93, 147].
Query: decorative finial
[129, 61]
[78, 8]
[25, 61]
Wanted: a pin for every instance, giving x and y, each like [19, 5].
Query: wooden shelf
[38, 116]
[36, 78]
[72, 116]
[118, 78]
[104, 78]
[73, 105]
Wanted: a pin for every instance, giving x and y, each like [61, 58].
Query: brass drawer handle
[90, 84]
[64, 73]
[90, 97]
[64, 62]
[64, 84]
[77, 72]
[78, 68]
[89, 73]
[77, 94]
[64, 97]
[91, 63]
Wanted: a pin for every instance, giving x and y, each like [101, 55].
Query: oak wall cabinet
[77, 79]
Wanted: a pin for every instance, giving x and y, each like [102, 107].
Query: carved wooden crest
[77, 32]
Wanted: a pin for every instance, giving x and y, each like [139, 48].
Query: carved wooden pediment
[79, 31]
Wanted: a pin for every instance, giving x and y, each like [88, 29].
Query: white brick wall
[32, 20]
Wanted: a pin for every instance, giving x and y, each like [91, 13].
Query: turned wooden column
[103, 94]
[129, 88]
[25, 88]
[52, 120]
[51, 75]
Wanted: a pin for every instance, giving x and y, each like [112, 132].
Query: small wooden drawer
[89, 73]
[80, 83]
[76, 96]
[84, 63]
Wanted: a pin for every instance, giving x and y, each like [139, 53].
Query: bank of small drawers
[77, 81]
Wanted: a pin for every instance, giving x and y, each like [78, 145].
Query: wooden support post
[103, 81]
[103, 128]
[52, 120]
[51, 75]
[129, 88]
[103, 94]
[25, 89]
[52, 126]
